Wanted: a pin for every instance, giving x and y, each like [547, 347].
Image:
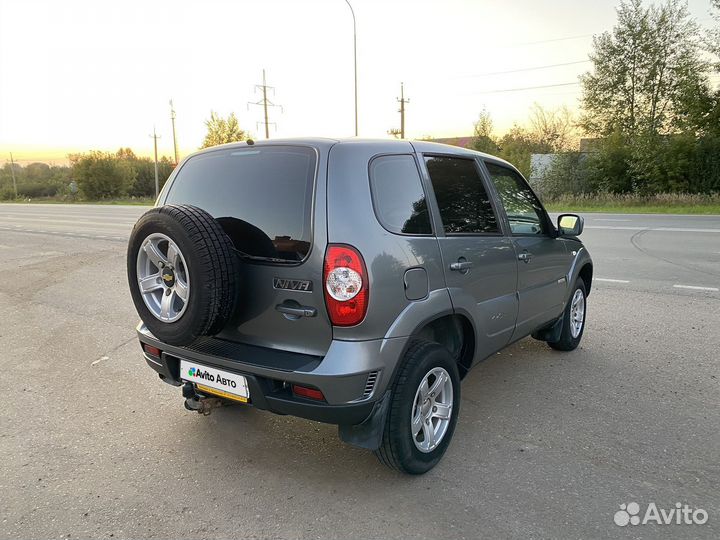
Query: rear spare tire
[182, 272]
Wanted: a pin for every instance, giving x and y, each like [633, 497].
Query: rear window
[262, 197]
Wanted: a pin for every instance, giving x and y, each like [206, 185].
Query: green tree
[609, 169]
[223, 130]
[101, 175]
[567, 174]
[6, 183]
[553, 128]
[712, 40]
[144, 184]
[518, 144]
[642, 70]
[483, 140]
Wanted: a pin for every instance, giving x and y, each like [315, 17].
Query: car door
[479, 260]
[541, 257]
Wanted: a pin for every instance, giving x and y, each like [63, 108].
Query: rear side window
[464, 204]
[398, 195]
[262, 197]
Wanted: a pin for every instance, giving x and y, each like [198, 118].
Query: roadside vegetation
[103, 177]
[648, 134]
[618, 203]
[121, 178]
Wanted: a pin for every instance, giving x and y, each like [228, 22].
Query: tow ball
[200, 404]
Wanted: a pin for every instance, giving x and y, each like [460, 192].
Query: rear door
[479, 260]
[541, 258]
[268, 201]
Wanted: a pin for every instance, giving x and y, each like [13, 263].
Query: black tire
[398, 450]
[212, 264]
[567, 342]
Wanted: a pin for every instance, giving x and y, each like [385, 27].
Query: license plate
[215, 381]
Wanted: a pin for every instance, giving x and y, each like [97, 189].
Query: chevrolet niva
[352, 282]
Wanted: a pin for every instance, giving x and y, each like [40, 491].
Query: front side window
[398, 195]
[464, 204]
[524, 212]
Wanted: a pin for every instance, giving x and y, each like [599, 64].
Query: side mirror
[570, 225]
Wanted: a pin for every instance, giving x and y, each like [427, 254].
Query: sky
[93, 75]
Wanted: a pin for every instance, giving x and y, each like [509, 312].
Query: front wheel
[423, 410]
[573, 324]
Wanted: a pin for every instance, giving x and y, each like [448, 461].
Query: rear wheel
[423, 410]
[573, 324]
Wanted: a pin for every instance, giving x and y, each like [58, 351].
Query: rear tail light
[310, 393]
[346, 285]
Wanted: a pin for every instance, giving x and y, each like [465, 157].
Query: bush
[568, 174]
[144, 184]
[101, 175]
[645, 165]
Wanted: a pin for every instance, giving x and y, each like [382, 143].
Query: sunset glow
[82, 75]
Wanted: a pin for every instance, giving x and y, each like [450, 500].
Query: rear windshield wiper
[258, 258]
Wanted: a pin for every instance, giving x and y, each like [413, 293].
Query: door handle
[461, 266]
[525, 256]
[296, 311]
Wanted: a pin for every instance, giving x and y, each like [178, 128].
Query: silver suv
[350, 282]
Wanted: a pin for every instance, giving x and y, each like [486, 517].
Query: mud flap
[550, 333]
[368, 434]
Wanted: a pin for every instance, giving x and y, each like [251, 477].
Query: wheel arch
[586, 273]
[455, 332]
[582, 266]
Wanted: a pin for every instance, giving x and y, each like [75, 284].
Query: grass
[131, 201]
[613, 203]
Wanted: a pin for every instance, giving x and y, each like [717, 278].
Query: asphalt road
[548, 444]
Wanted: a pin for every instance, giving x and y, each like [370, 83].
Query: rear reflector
[310, 393]
[152, 350]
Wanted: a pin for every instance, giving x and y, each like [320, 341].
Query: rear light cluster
[346, 285]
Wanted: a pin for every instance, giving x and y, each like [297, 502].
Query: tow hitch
[200, 404]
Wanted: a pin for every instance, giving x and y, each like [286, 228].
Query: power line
[525, 88]
[535, 68]
[568, 38]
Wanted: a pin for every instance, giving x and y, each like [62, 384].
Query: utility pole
[355, 63]
[265, 102]
[172, 119]
[400, 132]
[155, 137]
[12, 172]
[402, 101]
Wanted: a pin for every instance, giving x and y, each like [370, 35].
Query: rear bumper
[344, 375]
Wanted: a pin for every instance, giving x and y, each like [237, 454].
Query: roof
[327, 143]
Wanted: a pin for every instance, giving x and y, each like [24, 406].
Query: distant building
[539, 164]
